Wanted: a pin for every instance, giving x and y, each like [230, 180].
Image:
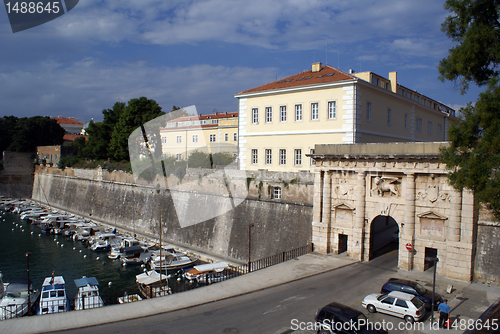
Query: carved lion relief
[385, 186]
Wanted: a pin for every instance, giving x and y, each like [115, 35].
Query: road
[293, 304]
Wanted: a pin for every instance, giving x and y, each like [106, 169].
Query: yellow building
[214, 133]
[280, 122]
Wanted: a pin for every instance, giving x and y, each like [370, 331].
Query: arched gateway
[404, 183]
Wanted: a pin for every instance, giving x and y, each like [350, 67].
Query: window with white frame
[178, 156]
[332, 109]
[429, 128]
[419, 124]
[314, 111]
[226, 137]
[389, 116]
[269, 156]
[255, 115]
[276, 194]
[213, 138]
[368, 111]
[195, 138]
[298, 112]
[178, 139]
[255, 155]
[439, 130]
[235, 136]
[283, 114]
[297, 157]
[406, 121]
[311, 160]
[282, 156]
[269, 114]
[163, 140]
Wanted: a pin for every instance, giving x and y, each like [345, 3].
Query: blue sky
[202, 53]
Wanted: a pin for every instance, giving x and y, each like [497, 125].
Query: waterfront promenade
[467, 299]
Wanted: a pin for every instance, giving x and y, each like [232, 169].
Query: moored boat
[88, 294]
[53, 298]
[207, 273]
[18, 297]
[152, 284]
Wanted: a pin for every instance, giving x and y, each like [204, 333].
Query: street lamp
[249, 246]
[435, 260]
[28, 254]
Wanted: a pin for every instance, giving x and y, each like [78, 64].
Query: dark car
[338, 318]
[414, 288]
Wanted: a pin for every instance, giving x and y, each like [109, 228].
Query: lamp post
[435, 260]
[249, 247]
[28, 254]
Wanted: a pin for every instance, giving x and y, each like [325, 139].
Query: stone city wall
[16, 179]
[114, 198]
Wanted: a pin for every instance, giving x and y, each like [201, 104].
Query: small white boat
[14, 303]
[116, 250]
[207, 273]
[170, 261]
[88, 294]
[53, 298]
[129, 298]
[104, 241]
[152, 284]
[135, 255]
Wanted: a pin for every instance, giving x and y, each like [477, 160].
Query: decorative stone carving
[381, 185]
[342, 189]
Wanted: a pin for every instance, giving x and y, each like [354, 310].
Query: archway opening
[384, 236]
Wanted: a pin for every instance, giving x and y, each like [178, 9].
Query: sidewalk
[467, 301]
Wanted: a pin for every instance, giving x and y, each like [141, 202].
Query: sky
[203, 52]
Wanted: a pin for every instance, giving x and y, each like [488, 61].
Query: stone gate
[369, 194]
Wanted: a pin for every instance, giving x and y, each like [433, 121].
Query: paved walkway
[467, 301]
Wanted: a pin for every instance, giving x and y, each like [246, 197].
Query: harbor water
[61, 255]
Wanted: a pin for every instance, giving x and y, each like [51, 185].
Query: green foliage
[7, 130]
[221, 159]
[67, 161]
[473, 156]
[475, 25]
[1, 164]
[199, 159]
[35, 131]
[260, 188]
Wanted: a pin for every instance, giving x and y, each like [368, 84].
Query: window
[389, 112]
[163, 140]
[311, 160]
[283, 113]
[297, 157]
[416, 98]
[276, 192]
[440, 130]
[269, 114]
[388, 300]
[406, 121]
[235, 136]
[332, 109]
[368, 111]
[179, 139]
[255, 116]
[282, 157]
[255, 154]
[298, 112]
[429, 128]
[212, 138]
[314, 111]
[226, 137]
[401, 303]
[195, 138]
[178, 157]
[419, 124]
[269, 156]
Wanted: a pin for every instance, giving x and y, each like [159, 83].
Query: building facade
[213, 133]
[280, 122]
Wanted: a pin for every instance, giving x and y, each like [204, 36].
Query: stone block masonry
[116, 199]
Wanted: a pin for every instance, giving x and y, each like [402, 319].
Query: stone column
[455, 217]
[319, 228]
[327, 197]
[407, 232]
[359, 223]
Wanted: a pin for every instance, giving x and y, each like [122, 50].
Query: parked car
[414, 288]
[398, 304]
[338, 318]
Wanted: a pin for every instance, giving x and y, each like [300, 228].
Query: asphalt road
[293, 304]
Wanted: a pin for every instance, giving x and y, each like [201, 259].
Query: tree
[473, 156]
[135, 114]
[36, 131]
[7, 128]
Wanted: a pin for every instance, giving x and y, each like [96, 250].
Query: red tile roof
[72, 137]
[326, 74]
[65, 120]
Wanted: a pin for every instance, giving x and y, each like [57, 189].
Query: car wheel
[371, 309]
[409, 319]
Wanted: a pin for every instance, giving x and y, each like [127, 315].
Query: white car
[399, 304]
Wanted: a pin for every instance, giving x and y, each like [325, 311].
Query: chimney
[316, 67]
[393, 78]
